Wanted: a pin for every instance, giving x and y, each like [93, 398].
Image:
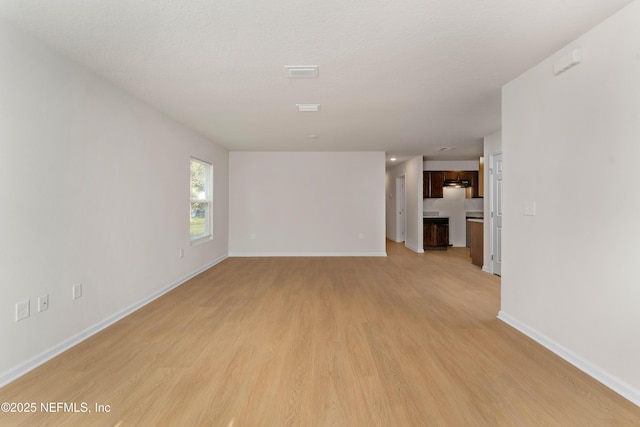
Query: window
[201, 200]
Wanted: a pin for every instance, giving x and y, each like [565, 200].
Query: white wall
[94, 189]
[412, 171]
[306, 203]
[571, 144]
[492, 145]
[451, 165]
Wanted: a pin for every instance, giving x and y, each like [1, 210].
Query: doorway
[401, 223]
[496, 213]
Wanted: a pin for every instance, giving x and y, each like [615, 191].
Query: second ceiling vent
[301, 71]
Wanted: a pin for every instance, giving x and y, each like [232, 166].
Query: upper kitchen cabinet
[432, 182]
[471, 176]
[481, 178]
[465, 179]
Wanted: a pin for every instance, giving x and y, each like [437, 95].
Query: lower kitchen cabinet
[436, 233]
[477, 241]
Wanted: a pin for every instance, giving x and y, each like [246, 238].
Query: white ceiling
[405, 77]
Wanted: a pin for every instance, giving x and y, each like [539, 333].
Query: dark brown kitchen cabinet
[477, 242]
[471, 176]
[436, 233]
[432, 184]
[452, 175]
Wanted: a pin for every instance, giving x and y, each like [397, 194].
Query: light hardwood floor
[406, 340]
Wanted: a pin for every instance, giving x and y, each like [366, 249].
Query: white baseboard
[623, 389]
[304, 254]
[486, 269]
[413, 248]
[30, 364]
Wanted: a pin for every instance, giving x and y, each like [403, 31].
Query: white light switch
[529, 209]
[77, 291]
[43, 303]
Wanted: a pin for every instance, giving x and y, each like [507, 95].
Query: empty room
[363, 213]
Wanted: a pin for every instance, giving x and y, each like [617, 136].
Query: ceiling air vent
[308, 108]
[301, 71]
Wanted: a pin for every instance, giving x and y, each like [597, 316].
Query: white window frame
[205, 197]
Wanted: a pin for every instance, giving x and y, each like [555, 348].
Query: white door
[400, 208]
[496, 213]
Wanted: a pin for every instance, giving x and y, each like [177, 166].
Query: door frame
[401, 209]
[495, 233]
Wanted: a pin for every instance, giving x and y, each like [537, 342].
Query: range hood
[457, 183]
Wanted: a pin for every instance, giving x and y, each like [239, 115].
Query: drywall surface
[306, 203]
[570, 143]
[451, 165]
[94, 190]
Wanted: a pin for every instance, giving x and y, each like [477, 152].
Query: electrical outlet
[529, 208]
[43, 303]
[22, 310]
[77, 291]
[180, 253]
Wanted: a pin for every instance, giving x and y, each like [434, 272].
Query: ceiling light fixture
[446, 149]
[308, 108]
[393, 159]
[301, 71]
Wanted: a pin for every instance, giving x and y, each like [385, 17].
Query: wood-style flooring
[406, 340]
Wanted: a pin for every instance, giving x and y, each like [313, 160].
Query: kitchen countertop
[474, 214]
[435, 220]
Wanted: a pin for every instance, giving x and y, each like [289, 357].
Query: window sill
[201, 240]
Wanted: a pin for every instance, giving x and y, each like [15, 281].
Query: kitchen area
[453, 206]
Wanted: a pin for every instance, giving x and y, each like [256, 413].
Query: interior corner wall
[412, 171]
[570, 145]
[451, 165]
[307, 204]
[94, 189]
[492, 145]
